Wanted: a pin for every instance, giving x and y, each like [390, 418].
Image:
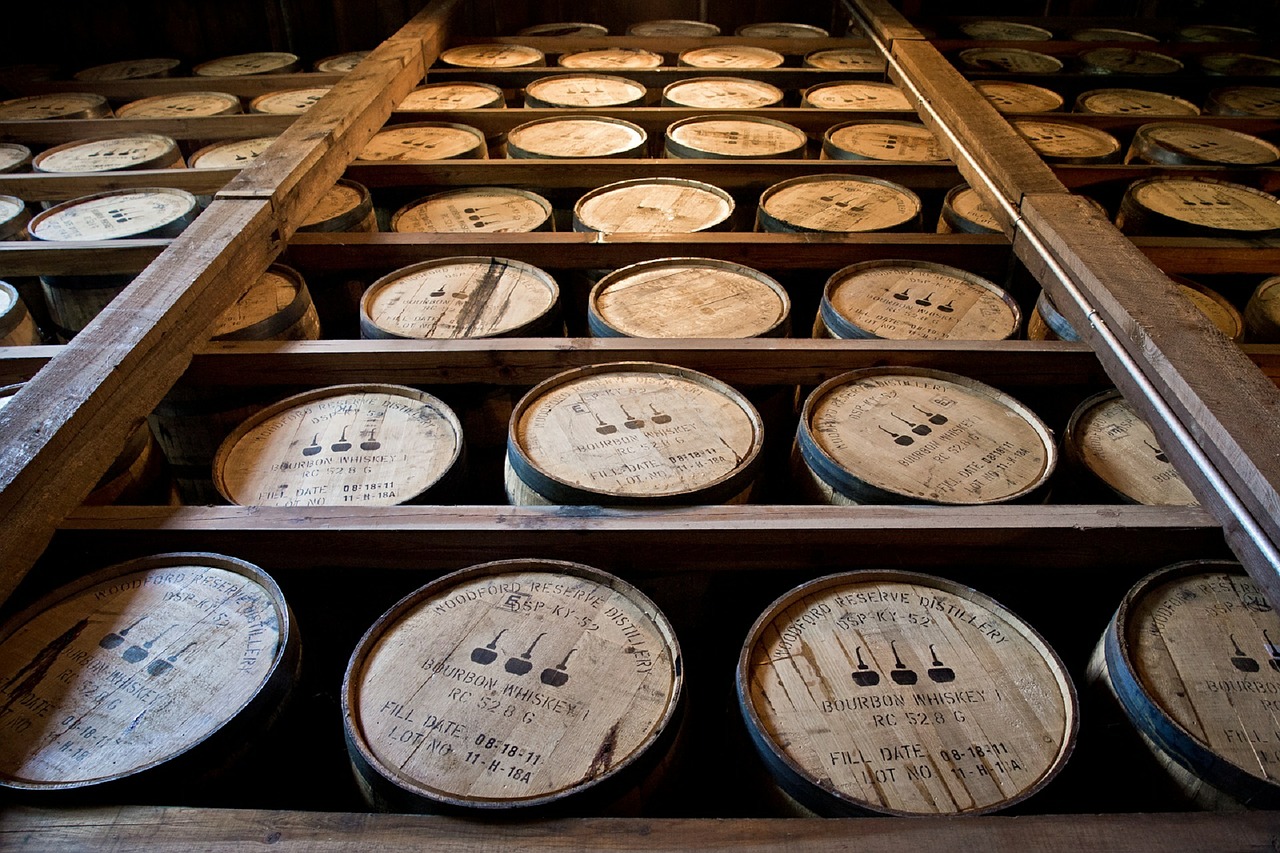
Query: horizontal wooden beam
[211, 128]
[248, 86]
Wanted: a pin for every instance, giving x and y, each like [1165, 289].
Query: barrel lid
[235, 154]
[838, 203]
[673, 29]
[635, 433]
[687, 298]
[964, 204]
[903, 141]
[115, 214]
[955, 705]
[8, 300]
[129, 69]
[428, 140]
[53, 106]
[1065, 142]
[1179, 144]
[1011, 59]
[1240, 65]
[110, 153]
[615, 58]
[916, 300]
[342, 63]
[343, 199]
[1119, 447]
[149, 658]
[1213, 305]
[734, 137]
[1004, 31]
[474, 209]
[346, 445]
[1245, 100]
[731, 56]
[1209, 204]
[288, 102]
[653, 205]
[13, 216]
[461, 297]
[264, 62]
[1214, 33]
[271, 293]
[1110, 34]
[492, 56]
[1126, 60]
[13, 156]
[856, 95]
[850, 59]
[1192, 657]
[572, 28]
[722, 93]
[453, 96]
[570, 137]
[780, 30]
[181, 104]
[1009, 96]
[589, 666]
[1139, 102]
[583, 90]
[901, 434]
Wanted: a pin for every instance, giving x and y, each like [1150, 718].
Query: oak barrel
[654, 205]
[476, 210]
[839, 204]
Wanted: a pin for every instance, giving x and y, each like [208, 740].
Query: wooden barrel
[737, 56]
[900, 141]
[129, 69]
[232, 154]
[574, 137]
[493, 56]
[426, 141]
[721, 93]
[1108, 443]
[288, 102]
[839, 204]
[1190, 657]
[560, 30]
[993, 30]
[1171, 143]
[1010, 96]
[1133, 102]
[914, 300]
[475, 210]
[111, 154]
[914, 435]
[780, 30]
[276, 307]
[515, 687]
[151, 673]
[853, 60]
[964, 212]
[182, 105]
[342, 63]
[584, 90]
[733, 137]
[453, 96]
[1127, 60]
[673, 29]
[14, 217]
[1262, 313]
[264, 62]
[1110, 34]
[382, 445]
[1011, 60]
[654, 205]
[462, 297]
[610, 59]
[14, 157]
[855, 95]
[1047, 323]
[1239, 65]
[57, 105]
[1262, 101]
[1066, 142]
[688, 298]
[898, 693]
[17, 329]
[632, 434]
[345, 206]
[1172, 205]
[1214, 33]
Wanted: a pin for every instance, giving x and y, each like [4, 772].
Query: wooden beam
[37, 186]
[57, 131]
[106, 257]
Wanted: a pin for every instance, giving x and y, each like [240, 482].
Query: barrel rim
[729, 485]
[956, 221]
[1162, 218]
[324, 65]
[1124, 35]
[283, 664]
[1109, 141]
[573, 56]
[768, 88]
[833, 151]
[17, 224]
[811, 59]
[1216, 99]
[268, 326]
[1220, 64]
[12, 312]
[705, 29]
[164, 229]
[844, 803]
[1236, 33]
[534, 101]
[549, 29]
[1084, 97]
[171, 152]
[346, 219]
[528, 194]
[768, 218]
[387, 620]
[702, 186]
[636, 148]
[23, 153]
[682, 151]
[795, 30]
[90, 102]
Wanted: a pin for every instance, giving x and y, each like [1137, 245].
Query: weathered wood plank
[56, 131]
[50, 187]
[88, 258]
[1211, 256]
[653, 119]
[120, 91]
[885, 23]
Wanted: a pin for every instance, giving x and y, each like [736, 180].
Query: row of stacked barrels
[530, 686]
